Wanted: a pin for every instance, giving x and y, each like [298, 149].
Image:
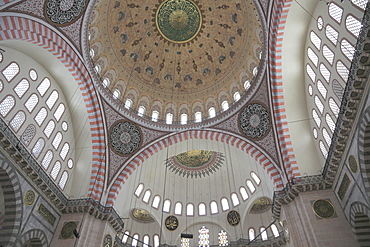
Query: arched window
[214, 207]
[146, 196]
[70, 163]
[169, 118]
[59, 111]
[325, 72]
[224, 105]
[44, 86]
[347, 49]
[117, 95]
[37, 148]
[342, 71]
[274, 230]
[31, 103]
[63, 180]
[225, 204]
[311, 73]
[314, 132]
[141, 111]
[198, 117]
[263, 233]
[211, 112]
[50, 102]
[125, 236]
[190, 209]
[185, 242]
[335, 12]
[255, 71]
[316, 118]
[243, 192]
[235, 199]
[322, 89]
[320, 23]
[331, 34]
[328, 54]
[139, 189]
[11, 71]
[6, 105]
[316, 41]
[202, 209]
[57, 140]
[247, 84]
[65, 149]
[41, 115]
[49, 128]
[156, 201]
[323, 149]
[203, 237]
[28, 134]
[319, 104]
[184, 118]
[326, 137]
[156, 240]
[55, 171]
[255, 177]
[236, 96]
[92, 53]
[178, 208]
[18, 120]
[360, 3]
[106, 82]
[47, 159]
[155, 115]
[250, 186]
[22, 88]
[312, 56]
[334, 107]
[146, 240]
[310, 90]
[251, 234]
[338, 89]
[353, 25]
[128, 103]
[166, 205]
[135, 238]
[330, 122]
[97, 68]
[222, 238]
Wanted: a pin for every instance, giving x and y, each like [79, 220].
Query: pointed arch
[215, 135]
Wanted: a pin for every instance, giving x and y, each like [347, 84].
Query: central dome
[176, 56]
[178, 21]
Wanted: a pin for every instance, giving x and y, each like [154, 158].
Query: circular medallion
[64, 12]
[29, 198]
[352, 163]
[255, 121]
[323, 209]
[125, 137]
[178, 21]
[233, 218]
[171, 223]
[108, 242]
[67, 230]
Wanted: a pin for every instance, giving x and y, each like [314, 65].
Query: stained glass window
[44, 86]
[316, 41]
[335, 12]
[353, 25]
[312, 56]
[59, 112]
[328, 54]
[319, 104]
[54, 173]
[47, 159]
[203, 237]
[222, 238]
[18, 120]
[322, 89]
[49, 128]
[31, 102]
[347, 48]
[185, 242]
[57, 140]
[63, 153]
[316, 118]
[331, 34]
[41, 115]
[39, 145]
[11, 71]
[63, 180]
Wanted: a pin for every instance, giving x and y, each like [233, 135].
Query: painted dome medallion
[177, 56]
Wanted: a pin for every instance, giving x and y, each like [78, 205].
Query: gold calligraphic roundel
[171, 223]
[233, 218]
[108, 242]
[323, 209]
[29, 198]
[178, 21]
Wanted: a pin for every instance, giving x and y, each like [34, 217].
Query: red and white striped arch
[21, 28]
[277, 25]
[214, 135]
